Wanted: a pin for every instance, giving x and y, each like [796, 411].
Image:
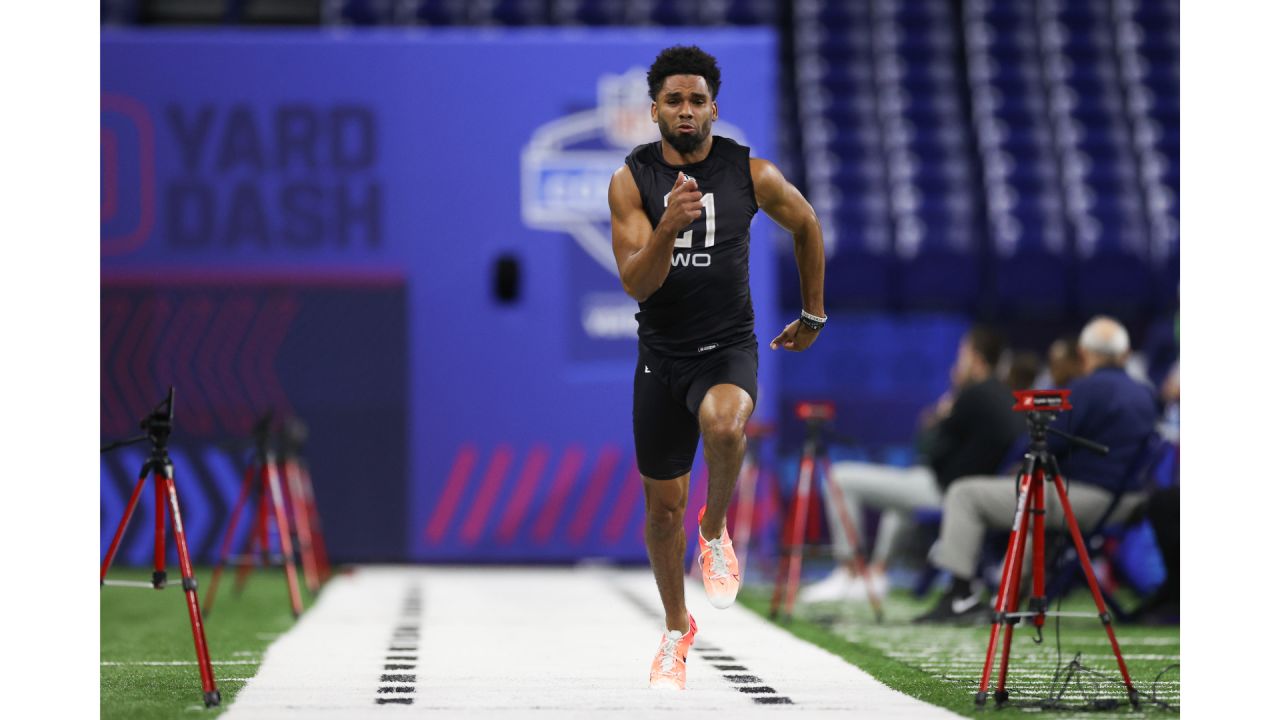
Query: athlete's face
[684, 112]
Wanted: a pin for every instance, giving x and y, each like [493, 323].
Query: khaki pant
[896, 491]
[972, 506]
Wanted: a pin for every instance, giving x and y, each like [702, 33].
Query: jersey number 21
[709, 204]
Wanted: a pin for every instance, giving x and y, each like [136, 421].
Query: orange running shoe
[719, 567]
[667, 671]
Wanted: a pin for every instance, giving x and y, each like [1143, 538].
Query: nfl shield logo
[624, 107]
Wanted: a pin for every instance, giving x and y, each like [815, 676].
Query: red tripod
[300, 497]
[745, 513]
[813, 458]
[1041, 408]
[270, 506]
[158, 425]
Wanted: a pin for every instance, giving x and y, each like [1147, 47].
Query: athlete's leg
[664, 538]
[723, 418]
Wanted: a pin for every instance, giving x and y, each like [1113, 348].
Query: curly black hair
[683, 60]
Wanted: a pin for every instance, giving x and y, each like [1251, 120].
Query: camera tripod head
[262, 433]
[156, 427]
[159, 424]
[1041, 408]
[293, 435]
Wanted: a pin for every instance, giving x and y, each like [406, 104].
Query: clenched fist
[684, 204]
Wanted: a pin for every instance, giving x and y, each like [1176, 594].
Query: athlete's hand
[684, 205]
[794, 337]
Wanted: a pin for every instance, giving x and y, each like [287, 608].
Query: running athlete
[681, 210]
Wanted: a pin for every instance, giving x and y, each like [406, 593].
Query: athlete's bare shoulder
[624, 194]
[768, 180]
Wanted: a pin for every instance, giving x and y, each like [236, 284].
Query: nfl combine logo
[566, 165]
[624, 109]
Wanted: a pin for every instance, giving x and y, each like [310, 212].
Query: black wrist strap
[812, 324]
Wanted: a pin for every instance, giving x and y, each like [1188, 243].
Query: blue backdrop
[335, 223]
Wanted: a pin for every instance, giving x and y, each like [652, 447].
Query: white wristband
[815, 318]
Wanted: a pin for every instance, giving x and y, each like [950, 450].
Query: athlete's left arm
[781, 201]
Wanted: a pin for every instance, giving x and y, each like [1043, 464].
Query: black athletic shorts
[668, 392]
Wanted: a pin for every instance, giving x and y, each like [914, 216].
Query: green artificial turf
[942, 664]
[152, 626]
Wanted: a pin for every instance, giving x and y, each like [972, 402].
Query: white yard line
[518, 641]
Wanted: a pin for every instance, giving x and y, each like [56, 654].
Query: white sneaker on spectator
[832, 587]
[856, 588]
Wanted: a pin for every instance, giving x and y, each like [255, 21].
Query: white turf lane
[511, 642]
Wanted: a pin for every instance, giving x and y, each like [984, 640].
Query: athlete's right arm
[643, 252]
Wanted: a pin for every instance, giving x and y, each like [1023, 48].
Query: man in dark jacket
[968, 432]
[1109, 407]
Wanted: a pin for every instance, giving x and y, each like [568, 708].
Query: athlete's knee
[723, 432]
[665, 503]
[665, 513]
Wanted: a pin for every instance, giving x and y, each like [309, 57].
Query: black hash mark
[402, 657]
[397, 689]
[730, 658]
[729, 667]
[395, 701]
[742, 679]
[399, 667]
[400, 678]
[757, 690]
[774, 700]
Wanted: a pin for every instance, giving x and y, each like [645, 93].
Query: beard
[682, 143]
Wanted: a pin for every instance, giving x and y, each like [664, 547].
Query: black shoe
[958, 609]
[1160, 610]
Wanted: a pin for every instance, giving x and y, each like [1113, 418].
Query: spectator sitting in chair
[967, 432]
[1109, 407]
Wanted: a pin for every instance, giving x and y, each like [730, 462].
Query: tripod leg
[1038, 602]
[258, 540]
[745, 515]
[159, 576]
[1014, 578]
[803, 501]
[227, 540]
[164, 480]
[317, 531]
[124, 522]
[1024, 485]
[1087, 566]
[786, 538]
[793, 532]
[286, 543]
[851, 535]
[297, 500]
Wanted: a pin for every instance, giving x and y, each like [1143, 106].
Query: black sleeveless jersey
[705, 302]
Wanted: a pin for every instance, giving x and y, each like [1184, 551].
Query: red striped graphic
[224, 342]
[189, 327]
[282, 310]
[498, 466]
[131, 395]
[631, 491]
[597, 488]
[143, 371]
[115, 420]
[463, 463]
[527, 483]
[570, 464]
